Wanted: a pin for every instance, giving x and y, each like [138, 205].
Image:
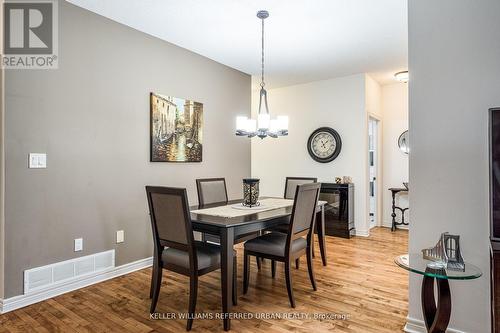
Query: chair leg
[257, 259]
[297, 263]
[235, 279]
[153, 275]
[312, 246]
[193, 293]
[156, 287]
[246, 271]
[310, 268]
[288, 278]
[273, 268]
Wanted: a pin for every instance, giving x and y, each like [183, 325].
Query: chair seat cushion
[208, 256]
[274, 244]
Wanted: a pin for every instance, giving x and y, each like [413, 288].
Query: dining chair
[214, 191]
[292, 245]
[174, 246]
[291, 184]
[211, 191]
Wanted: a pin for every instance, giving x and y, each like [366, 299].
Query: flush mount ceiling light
[264, 126]
[402, 76]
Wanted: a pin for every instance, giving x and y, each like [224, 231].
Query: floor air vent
[44, 277]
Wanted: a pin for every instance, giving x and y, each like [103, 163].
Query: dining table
[211, 219]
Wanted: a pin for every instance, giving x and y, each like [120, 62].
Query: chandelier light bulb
[241, 123]
[283, 123]
[263, 121]
[251, 125]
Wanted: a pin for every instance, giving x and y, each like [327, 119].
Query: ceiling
[306, 40]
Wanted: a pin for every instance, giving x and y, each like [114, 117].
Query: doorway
[373, 167]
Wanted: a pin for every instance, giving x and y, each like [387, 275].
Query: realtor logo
[30, 34]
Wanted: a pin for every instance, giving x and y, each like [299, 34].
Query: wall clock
[324, 144]
[404, 142]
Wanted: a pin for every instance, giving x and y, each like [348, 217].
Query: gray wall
[454, 61]
[91, 117]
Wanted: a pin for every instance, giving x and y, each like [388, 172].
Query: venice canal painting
[176, 129]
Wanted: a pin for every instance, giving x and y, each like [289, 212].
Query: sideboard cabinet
[339, 210]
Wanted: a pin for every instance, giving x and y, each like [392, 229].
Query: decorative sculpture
[446, 253]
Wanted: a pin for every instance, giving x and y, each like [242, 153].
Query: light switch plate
[78, 244]
[37, 161]
[120, 236]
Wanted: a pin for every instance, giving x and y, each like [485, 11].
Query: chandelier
[264, 126]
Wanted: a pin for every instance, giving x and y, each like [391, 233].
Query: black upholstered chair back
[170, 219]
[304, 209]
[211, 190]
[291, 184]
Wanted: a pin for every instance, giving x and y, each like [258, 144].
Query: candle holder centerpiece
[251, 192]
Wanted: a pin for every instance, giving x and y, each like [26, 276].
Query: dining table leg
[321, 235]
[227, 243]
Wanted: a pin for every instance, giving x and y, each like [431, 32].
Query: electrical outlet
[37, 161]
[78, 244]
[120, 236]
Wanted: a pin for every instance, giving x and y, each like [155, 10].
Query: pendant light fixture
[402, 76]
[264, 126]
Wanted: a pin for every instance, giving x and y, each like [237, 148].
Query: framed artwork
[176, 129]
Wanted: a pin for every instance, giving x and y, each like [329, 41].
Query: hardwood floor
[360, 282]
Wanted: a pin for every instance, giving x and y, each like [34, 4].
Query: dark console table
[395, 191]
[339, 209]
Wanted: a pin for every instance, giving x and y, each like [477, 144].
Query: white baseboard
[20, 301]
[388, 223]
[418, 326]
[362, 233]
[404, 227]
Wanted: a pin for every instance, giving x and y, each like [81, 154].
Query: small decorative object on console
[251, 192]
[406, 184]
[446, 253]
[346, 180]
[338, 180]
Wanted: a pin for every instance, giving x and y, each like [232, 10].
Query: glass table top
[417, 264]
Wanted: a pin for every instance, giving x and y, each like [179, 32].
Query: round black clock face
[324, 144]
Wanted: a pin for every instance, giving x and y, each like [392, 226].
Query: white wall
[454, 61]
[338, 103]
[373, 92]
[395, 170]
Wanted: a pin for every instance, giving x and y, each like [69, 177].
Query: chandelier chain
[262, 66]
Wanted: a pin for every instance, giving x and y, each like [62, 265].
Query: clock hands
[323, 143]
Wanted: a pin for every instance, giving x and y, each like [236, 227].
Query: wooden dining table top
[228, 222]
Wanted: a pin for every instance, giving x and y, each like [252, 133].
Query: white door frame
[379, 168]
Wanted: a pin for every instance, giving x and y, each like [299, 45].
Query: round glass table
[436, 315]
